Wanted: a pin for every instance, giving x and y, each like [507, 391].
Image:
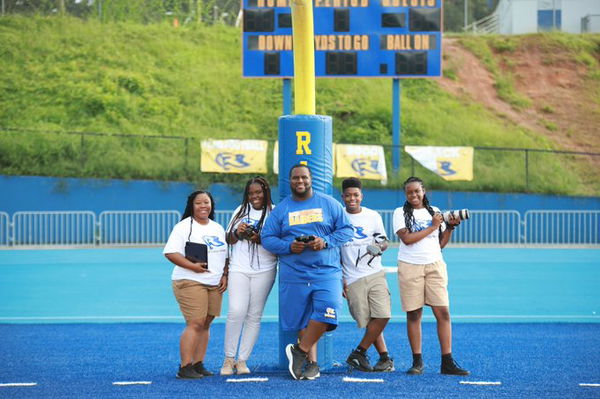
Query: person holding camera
[306, 230]
[422, 272]
[252, 271]
[198, 250]
[365, 285]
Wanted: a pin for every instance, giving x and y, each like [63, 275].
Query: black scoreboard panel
[362, 38]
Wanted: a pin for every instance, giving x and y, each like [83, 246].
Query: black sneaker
[453, 368]
[200, 369]
[416, 369]
[297, 359]
[311, 371]
[359, 361]
[384, 364]
[188, 373]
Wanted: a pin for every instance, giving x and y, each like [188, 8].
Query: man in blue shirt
[306, 230]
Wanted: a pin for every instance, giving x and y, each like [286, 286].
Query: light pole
[466, 13]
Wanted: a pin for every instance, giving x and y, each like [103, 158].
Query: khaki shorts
[196, 300]
[422, 285]
[369, 298]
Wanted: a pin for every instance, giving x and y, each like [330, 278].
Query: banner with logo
[450, 163]
[234, 156]
[362, 161]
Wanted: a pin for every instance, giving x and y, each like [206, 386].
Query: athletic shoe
[296, 360]
[359, 361]
[241, 367]
[416, 369]
[453, 368]
[311, 371]
[188, 373]
[199, 367]
[386, 364]
[227, 368]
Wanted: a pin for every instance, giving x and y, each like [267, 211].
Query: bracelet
[236, 234]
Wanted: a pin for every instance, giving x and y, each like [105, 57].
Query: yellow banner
[234, 156]
[362, 161]
[450, 163]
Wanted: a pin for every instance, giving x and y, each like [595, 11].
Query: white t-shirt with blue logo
[246, 257]
[366, 225]
[211, 234]
[422, 252]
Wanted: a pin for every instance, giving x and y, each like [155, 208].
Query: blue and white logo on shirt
[419, 225]
[213, 242]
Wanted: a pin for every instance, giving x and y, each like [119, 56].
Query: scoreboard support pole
[304, 138]
[396, 125]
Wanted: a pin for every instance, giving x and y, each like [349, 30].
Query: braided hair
[245, 211]
[409, 217]
[189, 206]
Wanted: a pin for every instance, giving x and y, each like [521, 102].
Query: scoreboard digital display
[353, 38]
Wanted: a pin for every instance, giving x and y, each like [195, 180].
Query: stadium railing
[53, 228]
[562, 227]
[4, 226]
[138, 228]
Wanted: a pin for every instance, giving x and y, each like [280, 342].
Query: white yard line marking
[352, 379]
[585, 384]
[481, 382]
[18, 384]
[252, 379]
[132, 383]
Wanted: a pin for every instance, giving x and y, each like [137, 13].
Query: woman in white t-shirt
[252, 273]
[422, 272]
[198, 284]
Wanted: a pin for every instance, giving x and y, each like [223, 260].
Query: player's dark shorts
[302, 302]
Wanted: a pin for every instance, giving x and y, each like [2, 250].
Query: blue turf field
[555, 288]
[134, 285]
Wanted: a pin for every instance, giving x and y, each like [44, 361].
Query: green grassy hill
[69, 75]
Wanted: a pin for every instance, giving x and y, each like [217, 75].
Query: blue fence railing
[489, 227]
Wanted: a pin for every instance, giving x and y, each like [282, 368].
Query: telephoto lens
[460, 214]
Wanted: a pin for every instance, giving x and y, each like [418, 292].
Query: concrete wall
[54, 194]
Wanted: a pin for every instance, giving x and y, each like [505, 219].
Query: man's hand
[297, 247]
[317, 244]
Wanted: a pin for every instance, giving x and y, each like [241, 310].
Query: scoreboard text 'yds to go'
[353, 38]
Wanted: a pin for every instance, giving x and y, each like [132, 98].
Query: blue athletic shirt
[321, 216]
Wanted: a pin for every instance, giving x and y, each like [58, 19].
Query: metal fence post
[526, 170]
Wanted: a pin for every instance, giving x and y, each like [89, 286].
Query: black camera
[249, 232]
[305, 239]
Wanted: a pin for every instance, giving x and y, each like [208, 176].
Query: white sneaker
[241, 367]
[227, 368]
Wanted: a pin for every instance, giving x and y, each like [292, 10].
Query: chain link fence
[130, 156]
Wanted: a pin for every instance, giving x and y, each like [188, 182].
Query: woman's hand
[201, 267]
[222, 287]
[437, 219]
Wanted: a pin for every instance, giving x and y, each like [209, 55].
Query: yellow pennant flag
[450, 163]
[234, 156]
[362, 161]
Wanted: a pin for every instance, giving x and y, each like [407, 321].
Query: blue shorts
[302, 302]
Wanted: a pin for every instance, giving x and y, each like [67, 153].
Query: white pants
[247, 297]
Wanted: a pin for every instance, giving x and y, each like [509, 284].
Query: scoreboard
[353, 38]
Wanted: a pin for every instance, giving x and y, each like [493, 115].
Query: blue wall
[30, 193]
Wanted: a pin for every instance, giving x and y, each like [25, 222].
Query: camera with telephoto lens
[305, 239]
[461, 214]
